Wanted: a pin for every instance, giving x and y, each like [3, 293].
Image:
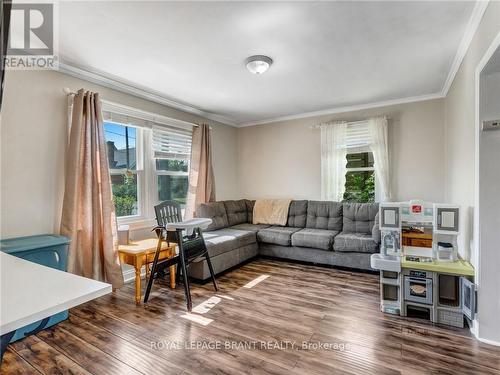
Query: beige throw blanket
[271, 211]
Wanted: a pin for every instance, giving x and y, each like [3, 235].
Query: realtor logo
[31, 36]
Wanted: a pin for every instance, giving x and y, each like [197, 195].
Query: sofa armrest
[376, 230]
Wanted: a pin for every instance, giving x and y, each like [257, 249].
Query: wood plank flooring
[301, 319]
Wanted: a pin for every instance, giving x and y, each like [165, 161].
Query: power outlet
[491, 125]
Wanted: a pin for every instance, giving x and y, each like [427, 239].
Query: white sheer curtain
[333, 160]
[379, 146]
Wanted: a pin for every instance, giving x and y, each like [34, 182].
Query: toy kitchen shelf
[425, 277]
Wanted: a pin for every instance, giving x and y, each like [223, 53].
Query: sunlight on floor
[254, 282]
[225, 297]
[197, 319]
[206, 305]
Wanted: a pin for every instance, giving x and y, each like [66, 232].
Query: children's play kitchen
[421, 274]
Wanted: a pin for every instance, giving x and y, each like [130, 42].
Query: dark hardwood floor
[299, 320]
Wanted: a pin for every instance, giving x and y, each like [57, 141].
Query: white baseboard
[474, 331]
[129, 275]
[486, 341]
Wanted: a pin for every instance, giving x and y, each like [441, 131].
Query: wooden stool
[142, 253]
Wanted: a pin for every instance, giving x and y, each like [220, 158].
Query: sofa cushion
[355, 242]
[249, 204]
[277, 235]
[215, 211]
[315, 238]
[297, 214]
[250, 227]
[359, 217]
[324, 215]
[227, 239]
[236, 212]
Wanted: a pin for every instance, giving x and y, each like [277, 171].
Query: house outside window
[122, 161]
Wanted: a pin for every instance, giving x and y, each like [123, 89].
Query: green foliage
[173, 188]
[360, 187]
[125, 196]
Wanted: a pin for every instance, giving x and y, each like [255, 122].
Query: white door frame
[477, 240]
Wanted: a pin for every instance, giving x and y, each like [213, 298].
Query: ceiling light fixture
[258, 64]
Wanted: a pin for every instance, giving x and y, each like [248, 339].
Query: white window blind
[357, 135]
[171, 142]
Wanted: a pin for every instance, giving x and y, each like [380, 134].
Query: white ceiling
[327, 54]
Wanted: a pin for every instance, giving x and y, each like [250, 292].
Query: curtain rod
[68, 92]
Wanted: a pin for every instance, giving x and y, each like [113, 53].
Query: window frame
[358, 150]
[147, 193]
[139, 172]
[169, 173]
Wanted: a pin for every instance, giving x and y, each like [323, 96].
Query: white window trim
[147, 194]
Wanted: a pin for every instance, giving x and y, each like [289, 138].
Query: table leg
[172, 277]
[138, 267]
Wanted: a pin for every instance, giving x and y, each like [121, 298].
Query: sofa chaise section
[227, 246]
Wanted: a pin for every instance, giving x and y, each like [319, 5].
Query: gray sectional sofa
[329, 233]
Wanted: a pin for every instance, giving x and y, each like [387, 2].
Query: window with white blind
[360, 175]
[172, 151]
[148, 157]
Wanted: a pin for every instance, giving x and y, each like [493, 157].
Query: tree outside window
[360, 178]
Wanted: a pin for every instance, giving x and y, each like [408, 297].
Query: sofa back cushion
[236, 212]
[215, 211]
[297, 214]
[324, 215]
[249, 204]
[359, 217]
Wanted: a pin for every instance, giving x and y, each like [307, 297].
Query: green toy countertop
[459, 267]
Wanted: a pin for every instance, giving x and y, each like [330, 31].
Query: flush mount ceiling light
[258, 64]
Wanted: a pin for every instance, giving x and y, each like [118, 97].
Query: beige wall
[283, 159]
[33, 140]
[460, 170]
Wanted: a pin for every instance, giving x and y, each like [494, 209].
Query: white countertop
[31, 292]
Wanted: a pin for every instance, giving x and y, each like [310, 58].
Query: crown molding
[463, 47]
[105, 79]
[117, 84]
[345, 109]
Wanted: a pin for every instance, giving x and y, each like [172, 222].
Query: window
[360, 178]
[122, 160]
[172, 180]
[148, 158]
[360, 174]
[172, 150]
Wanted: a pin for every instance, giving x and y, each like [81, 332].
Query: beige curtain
[88, 216]
[201, 173]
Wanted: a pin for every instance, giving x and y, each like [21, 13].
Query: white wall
[460, 172]
[459, 127]
[283, 159]
[33, 141]
[489, 209]
[490, 98]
